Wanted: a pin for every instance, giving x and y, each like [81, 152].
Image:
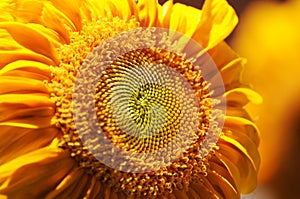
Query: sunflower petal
[16, 141]
[221, 183]
[240, 166]
[93, 190]
[34, 174]
[240, 97]
[222, 54]
[180, 194]
[5, 10]
[244, 144]
[21, 85]
[147, 10]
[74, 185]
[242, 125]
[20, 33]
[203, 191]
[164, 14]
[12, 50]
[25, 100]
[238, 112]
[185, 23]
[29, 66]
[71, 8]
[217, 166]
[218, 19]
[26, 10]
[123, 8]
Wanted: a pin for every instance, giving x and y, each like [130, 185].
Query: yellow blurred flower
[43, 44]
[269, 37]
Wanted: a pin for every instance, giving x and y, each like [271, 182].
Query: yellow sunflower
[79, 120]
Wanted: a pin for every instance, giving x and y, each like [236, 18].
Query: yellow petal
[21, 85]
[240, 167]
[31, 122]
[164, 14]
[11, 50]
[193, 194]
[203, 191]
[242, 96]
[181, 194]
[5, 10]
[238, 112]
[184, 19]
[71, 8]
[54, 19]
[38, 12]
[44, 13]
[124, 9]
[94, 189]
[16, 141]
[96, 9]
[221, 183]
[34, 174]
[147, 10]
[28, 66]
[24, 35]
[244, 126]
[14, 113]
[215, 165]
[244, 144]
[231, 73]
[74, 185]
[26, 10]
[26, 75]
[25, 100]
[222, 55]
[217, 22]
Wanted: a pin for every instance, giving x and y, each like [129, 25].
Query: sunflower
[118, 99]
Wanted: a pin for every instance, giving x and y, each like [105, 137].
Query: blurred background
[268, 35]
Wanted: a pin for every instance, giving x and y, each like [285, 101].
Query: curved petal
[244, 144]
[94, 189]
[124, 9]
[164, 14]
[22, 33]
[21, 84]
[39, 105]
[180, 194]
[147, 12]
[13, 51]
[238, 112]
[184, 19]
[239, 97]
[240, 166]
[27, 66]
[17, 141]
[5, 11]
[74, 185]
[217, 21]
[71, 9]
[220, 183]
[34, 174]
[242, 125]
[32, 100]
[222, 54]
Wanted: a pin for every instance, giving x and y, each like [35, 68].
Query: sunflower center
[142, 104]
[133, 116]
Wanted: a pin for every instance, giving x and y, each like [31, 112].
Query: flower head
[122, 100]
